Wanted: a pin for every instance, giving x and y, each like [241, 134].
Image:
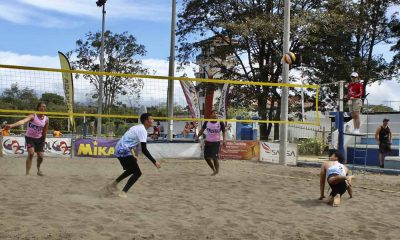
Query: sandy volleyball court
[248, 200]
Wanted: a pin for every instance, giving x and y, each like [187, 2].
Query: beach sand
[247, 200]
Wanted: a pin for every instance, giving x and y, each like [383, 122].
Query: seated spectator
[57, 133]
[186, 130]
[193, 128]
[4, 131]
[156, 132]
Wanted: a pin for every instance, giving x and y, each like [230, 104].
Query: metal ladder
[363, 150]
[360, 151]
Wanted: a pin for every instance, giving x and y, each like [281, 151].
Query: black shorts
[211, 150]
[127, 163]
[36, 143]
[339, 188]
[384, 147]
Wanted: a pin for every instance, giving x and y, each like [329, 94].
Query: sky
[33, 31]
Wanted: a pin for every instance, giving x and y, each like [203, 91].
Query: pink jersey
[213, 131]
[35, 127]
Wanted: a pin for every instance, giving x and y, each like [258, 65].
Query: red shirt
[355, 90]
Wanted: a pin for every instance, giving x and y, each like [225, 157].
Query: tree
[120, 52]
[55, 103]
[372, 28]
[162, 110]
[252, 31]
[344, 40]
[395, 65]
[380, 108]
[52, 98]
[331, 38]
[21, 99]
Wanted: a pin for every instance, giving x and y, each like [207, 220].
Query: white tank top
[337, 168]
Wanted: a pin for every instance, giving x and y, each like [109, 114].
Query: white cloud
[16, 13]
[382, 93]
[160, 67]
[140, 9]
[43, 12]
[10, 58]
[70, 7]
[71, 13]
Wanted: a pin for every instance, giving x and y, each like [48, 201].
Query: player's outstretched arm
[146, 152]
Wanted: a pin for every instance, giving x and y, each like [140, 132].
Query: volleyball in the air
[289, 58]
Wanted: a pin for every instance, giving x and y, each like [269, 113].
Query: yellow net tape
[218, 81]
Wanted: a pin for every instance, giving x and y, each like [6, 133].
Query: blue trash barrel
[246, 132]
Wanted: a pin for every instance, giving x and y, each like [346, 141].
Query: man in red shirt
[355, 93]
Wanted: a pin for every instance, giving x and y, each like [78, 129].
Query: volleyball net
[126, 96]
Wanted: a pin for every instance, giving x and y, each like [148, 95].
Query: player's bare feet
[214, 173]
[112, 187]
[40, 173]
[336, 201]
[330, 200]
[350, 191]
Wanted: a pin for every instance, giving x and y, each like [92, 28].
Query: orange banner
[241, 150]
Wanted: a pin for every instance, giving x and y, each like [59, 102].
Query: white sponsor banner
[269, 152]
[53, 147]
[58, 146]
[175, 150]
[13, 145]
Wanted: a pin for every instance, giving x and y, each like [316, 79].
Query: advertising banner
[240, 150]
[53, 146]
[269, 152]
[58, 146]
[68, 85]
[99, 148]
[191, 98]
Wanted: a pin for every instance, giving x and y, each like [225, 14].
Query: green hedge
[311, 146]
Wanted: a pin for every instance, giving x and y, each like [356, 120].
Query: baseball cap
[354, 74]
[386, 120]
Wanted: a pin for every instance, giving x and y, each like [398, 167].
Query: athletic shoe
[122, 194]
[356, 131]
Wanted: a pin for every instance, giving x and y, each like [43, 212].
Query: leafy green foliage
[331, 39]
[27, 99]
[121, 53]
[380, 109]
[311, 146]
[252, 33]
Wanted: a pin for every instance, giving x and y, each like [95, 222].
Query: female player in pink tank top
[212, 143]
[35, 136]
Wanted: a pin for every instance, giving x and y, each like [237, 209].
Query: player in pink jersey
[35, 136]
[212, 143]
